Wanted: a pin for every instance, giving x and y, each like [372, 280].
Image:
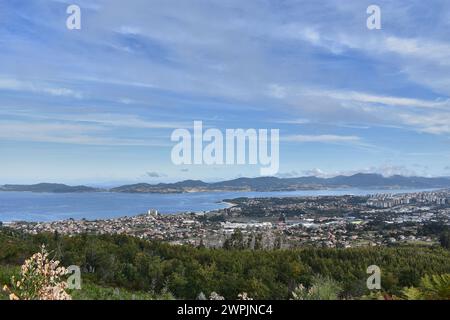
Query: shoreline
[228, 203]
[45, 212]
[203, 191]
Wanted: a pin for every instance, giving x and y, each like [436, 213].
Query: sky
[98, 105]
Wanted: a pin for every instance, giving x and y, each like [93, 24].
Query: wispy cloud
[436, 123]
[355, 96]
[66, 133]
[386, 170]
[324, 138]
[386, 100]
[40, 88]
[422, 49]
[295, 121]
[124, 120]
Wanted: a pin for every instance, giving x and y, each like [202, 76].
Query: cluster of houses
[341, 221]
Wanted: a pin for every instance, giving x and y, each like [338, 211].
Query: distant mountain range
[47, 187]
[360, 180]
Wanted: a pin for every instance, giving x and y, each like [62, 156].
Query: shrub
[322, 289]
[40, 279]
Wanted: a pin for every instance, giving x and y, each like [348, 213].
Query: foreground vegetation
[123, 267]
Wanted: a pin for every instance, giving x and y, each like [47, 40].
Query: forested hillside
[153, 269]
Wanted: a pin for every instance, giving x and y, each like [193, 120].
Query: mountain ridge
[47, 187]
[359, 180]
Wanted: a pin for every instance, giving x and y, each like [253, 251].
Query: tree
[258, 242]
[236, 241]
[444, 240]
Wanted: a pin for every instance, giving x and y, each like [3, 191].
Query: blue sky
[98, 105]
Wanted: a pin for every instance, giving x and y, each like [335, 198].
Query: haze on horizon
[98, 105]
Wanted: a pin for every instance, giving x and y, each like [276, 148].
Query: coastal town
[319, 221]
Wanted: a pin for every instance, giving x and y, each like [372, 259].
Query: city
[323, 221]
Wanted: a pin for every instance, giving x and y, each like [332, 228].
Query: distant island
[47, 187]
[260, 184]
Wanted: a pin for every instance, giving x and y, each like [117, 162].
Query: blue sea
[27, 206]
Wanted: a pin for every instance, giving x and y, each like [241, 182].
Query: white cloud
[436, 123]
[386, 100]
[325, 138]
[277, 91]
[309, 34]
[355, 96]
[100, 119]
[17, 85]
[429, 116]
[385, 170]
[123, 120]
[316, 172]
[295, 121]
[65, 133]
[129, 30]
[437, 52]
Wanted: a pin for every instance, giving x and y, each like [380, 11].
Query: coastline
[229, 204]
[47, 207]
